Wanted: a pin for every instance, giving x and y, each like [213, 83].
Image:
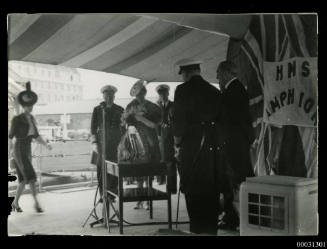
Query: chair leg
[169, 212]
[121, 204]
[151, 209]
[121, 218]
[149, 191]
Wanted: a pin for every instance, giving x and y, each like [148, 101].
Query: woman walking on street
[23, 130]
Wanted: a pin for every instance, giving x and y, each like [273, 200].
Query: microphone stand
[106, 206]
[105, 209]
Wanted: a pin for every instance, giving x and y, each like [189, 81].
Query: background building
[51, 83]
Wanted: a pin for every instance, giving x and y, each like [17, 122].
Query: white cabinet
[279, 205]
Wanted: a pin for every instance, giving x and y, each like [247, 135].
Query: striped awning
[138, 45]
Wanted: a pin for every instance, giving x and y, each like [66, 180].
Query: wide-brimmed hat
[27, 97]
[108, 88]
[137, 87]
[162, 87]
[183, 63]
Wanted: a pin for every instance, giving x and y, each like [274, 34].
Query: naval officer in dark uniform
[196, 133]
[114, 132]
[165, 132]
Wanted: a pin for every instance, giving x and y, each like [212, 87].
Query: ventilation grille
[266, 211]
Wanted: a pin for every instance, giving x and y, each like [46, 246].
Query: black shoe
[139, 205]
[38, 209]
[16, 208]
[147, 206]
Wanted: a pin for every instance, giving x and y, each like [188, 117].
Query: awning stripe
[17, 28]
[134, 45]
[36, 34]
[110, 43]
[73, 38]
[152, 49]
[162, 64]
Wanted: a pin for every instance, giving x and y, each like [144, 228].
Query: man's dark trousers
[203, 212]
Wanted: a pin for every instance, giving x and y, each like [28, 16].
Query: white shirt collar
[164, 104]
[228, 83]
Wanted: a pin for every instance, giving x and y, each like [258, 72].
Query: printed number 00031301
[311, 244]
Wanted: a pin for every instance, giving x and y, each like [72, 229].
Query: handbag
[131, 148]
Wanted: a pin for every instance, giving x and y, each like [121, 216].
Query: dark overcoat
[114, 130]
[237, 130]
[196, 114]
[165, 132]
[22, 150]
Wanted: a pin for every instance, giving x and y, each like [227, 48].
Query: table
[150, 194]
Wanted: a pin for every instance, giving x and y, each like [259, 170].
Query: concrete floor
[67, 209]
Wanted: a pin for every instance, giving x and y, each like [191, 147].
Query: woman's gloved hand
[95, 148]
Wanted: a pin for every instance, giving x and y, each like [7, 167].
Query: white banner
[290, 92]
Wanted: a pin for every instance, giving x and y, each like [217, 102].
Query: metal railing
[39, 154]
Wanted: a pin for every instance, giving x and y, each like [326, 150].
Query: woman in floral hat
[145, 116]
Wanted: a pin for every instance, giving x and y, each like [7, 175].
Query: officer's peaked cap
[162, 87]
[109, 88]
[187, 62]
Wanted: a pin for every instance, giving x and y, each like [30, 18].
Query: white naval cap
[187, 62]
[108, 88]
[162, 87]
[136, 88]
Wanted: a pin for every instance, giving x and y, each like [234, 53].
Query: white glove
[177, 154]
[95, 148]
